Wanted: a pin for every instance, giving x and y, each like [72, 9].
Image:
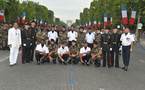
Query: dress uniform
[72, 36]
[90, 37]
[26, 44]
[42, 52]
[53, 51]
[85, 54]
[63, 54]
[105, 45]
[127, 39]
[74, 53]
[115, 45]
[33, 36]
[14, 42]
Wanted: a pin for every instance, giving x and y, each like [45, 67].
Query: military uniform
[115, 45]
[105, 45]
[62, 37]
[0, 38]
[96, 56]
[53, 52]
[74, 57]
[26, 46]
[4, 38]
[81, 38]
[98, 39]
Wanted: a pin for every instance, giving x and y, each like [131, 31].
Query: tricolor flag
[105, 20]
[2, 17]
[124, 14]
[133, 16]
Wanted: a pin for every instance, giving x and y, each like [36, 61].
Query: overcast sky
[66, 9]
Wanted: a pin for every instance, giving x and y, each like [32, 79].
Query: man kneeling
[85, 54]
[63, 54]
[41, 53]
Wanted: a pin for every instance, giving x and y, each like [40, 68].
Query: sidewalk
[4, 55]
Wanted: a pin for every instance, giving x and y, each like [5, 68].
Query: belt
[114, 42]
[105, 42]
[28, 38]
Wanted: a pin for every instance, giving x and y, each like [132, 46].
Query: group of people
[55, 44]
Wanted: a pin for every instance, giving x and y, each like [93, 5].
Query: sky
[66, 9]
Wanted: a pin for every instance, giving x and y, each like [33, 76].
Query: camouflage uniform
[4, 38]
[96, 55]
[53, 52]
[73, 51]
[41, 35]
[62, 37]
[98, 39]
[81, 38]
[0, 38]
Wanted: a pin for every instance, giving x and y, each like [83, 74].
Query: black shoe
[54, 61]
[123, 68]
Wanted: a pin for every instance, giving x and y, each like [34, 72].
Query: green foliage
[112, 8]
[14, 9]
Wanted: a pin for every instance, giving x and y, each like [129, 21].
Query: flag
[2, 16]
[133, 16]
[105, 20]
[124, 20]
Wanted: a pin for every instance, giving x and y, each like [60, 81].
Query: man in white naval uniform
[14, 42]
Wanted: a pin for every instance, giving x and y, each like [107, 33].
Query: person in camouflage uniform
[5, 36]
[74, 53]
[98, 38]
[62, 36]
[81, 36]
[0, 37]
[53, 51]
[41, 34]
[96, 55]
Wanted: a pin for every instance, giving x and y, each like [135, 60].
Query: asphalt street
[73, 77]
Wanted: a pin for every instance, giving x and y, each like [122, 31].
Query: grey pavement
[74, 77]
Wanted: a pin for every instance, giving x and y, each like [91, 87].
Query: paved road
[74, 77]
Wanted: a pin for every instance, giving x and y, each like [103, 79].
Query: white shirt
[139, 26]
[62, 51]
[14, 37]
[52, 35]
[43, 49]
[90, 37]
[127, 39]
[84, 51]
[72, 35]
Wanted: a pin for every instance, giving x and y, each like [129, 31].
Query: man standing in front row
[14, 42]
[127, 38]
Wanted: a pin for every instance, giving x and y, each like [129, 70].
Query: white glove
[120, 49]
[110, 49]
